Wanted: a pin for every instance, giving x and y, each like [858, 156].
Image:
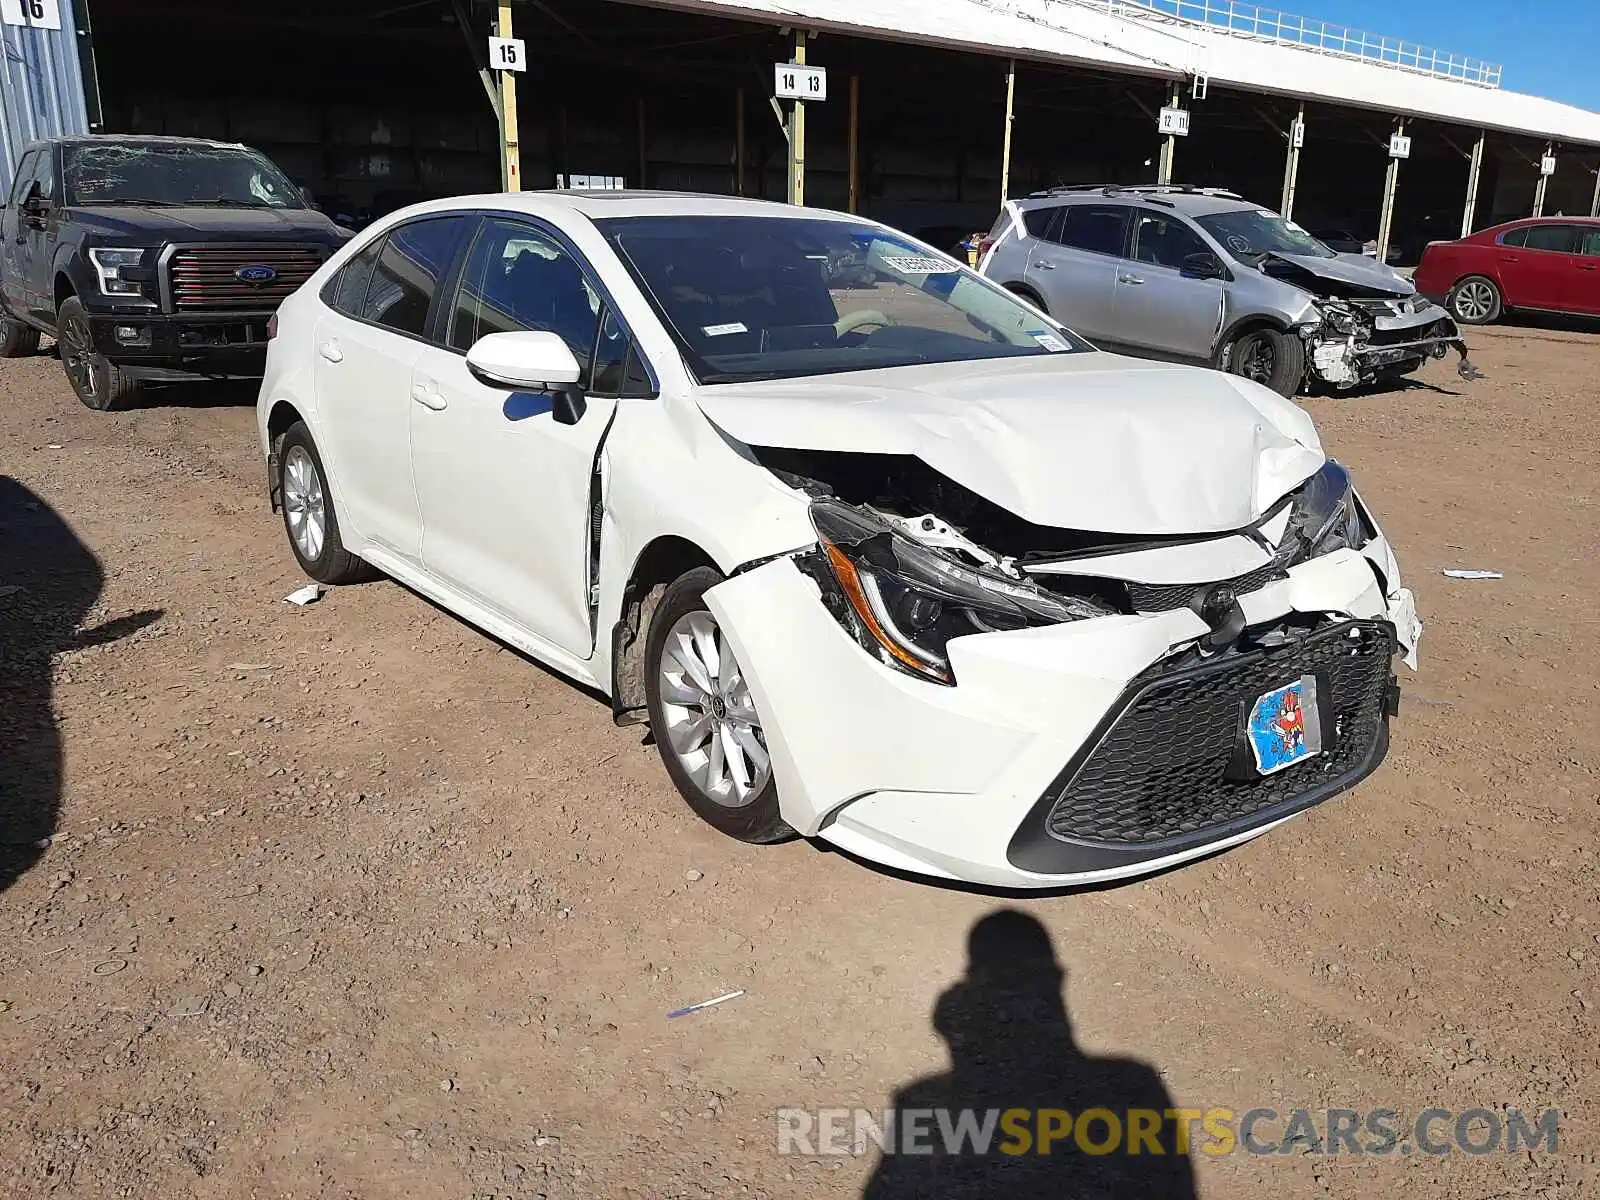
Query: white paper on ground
[309, 594]
[1459, 573]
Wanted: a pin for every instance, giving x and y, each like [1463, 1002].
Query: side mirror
[33, 206]
[1201, 266]
[531, 360]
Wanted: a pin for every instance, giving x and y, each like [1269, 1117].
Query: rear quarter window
[1037, 220]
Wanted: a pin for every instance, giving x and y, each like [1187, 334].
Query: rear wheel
[98, 381]
[1277, 360]
[16, 339]
[704, 718]
[308, 515]
[1476, 300]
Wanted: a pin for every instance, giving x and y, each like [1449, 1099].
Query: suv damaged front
[1364, 320]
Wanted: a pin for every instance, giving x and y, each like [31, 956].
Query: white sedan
[885, 556]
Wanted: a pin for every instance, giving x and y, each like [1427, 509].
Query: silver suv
[1202, 275]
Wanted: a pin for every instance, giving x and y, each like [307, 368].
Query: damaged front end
[1358, 341]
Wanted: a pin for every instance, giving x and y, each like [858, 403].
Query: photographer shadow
[1012, 1047]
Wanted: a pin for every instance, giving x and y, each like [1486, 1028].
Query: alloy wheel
[711, 721]
[1256, 359]
[1474, 301]
[304, 504]
[77, 356]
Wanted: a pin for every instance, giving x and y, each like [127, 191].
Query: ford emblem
[255, 274]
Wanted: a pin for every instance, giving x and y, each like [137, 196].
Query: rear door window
[1099, 228]
[1562, 238]
[406, 275]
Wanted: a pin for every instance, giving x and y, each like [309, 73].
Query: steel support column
[1543, 185]
[738, 142]
[1005, 143]
[1291, 165]
[854, 194]
[510, 147]
[1594, 204]
[1391, 185]
[797, 130]
[1474, 179]
[1169, 147]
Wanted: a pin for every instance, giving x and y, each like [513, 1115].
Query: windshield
[154, 173]
[780, 297]
[1251, 233]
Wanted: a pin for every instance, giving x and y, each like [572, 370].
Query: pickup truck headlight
[109, 263]
[904, 601]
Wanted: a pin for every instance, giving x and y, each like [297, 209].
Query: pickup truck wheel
[308, 515]
[704, 718]
[99, 382]
[1269, 357]
[1475, 300]
[16, 339]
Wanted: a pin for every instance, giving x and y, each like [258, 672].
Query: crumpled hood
[1086, 441]
[1355, 270]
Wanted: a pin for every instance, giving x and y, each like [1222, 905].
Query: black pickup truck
[151, 259]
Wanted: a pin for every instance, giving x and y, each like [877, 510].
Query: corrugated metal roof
[41, 89]
[1090, 35]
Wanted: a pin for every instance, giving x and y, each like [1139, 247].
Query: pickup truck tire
[308, 514]
[1269, 357]
[16, 339]
[99, 382]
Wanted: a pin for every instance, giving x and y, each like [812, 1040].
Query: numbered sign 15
[41, 14]
[792, 82]
[507, 54]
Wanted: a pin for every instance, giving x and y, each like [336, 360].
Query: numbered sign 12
[40, 14]
[793, 82]
[507, 54]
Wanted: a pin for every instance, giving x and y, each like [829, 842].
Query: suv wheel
[1269, 357]
[16, 339]
[99, 382]
[704, 719]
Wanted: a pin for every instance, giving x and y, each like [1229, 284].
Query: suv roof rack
[1144, 189]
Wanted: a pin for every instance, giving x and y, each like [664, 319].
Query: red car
[1548, 264]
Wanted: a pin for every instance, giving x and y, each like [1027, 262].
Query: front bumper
[1397, 340]
[180, 346]
[963, 782]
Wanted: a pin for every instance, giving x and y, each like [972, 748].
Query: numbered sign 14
[792, 82]
[507, 54]
[41, 14]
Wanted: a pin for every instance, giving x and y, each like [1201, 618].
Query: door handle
[1134, 279]
[1045, 266]
[1586, 266]
[1509, 258]
[428, 396]
[330, 351]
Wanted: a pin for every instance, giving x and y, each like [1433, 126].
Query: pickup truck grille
[207, 278]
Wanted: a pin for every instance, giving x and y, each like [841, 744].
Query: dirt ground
[349, 901]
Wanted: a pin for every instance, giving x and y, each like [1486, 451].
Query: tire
[693, 724]
[16, 339]
[1475, 300]
[309, 519]
[99, 382]
[1269, 357]
[1028, 295]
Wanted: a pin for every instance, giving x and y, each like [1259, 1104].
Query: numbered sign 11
[791, 82]
[507, 54]
[40, 14]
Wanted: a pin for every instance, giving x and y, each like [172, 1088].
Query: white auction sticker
[1048, 340]
[917, 264]
[724, 330]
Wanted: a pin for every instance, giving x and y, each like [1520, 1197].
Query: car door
[505, 487]
[39, 238]
[1538, 266]
[1161, 301]
[1586, 293]
[12, 277]
[367, 341]
[1074, 267]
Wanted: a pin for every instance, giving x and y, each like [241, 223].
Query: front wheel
[704, 718]
[99, 382]
[1272, 358]
[308, 515]
[1476, 300]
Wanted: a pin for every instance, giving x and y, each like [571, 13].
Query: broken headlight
[904, 601]
[1340, 320]
[1326, 515]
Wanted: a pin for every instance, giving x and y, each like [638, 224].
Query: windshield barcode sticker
[917, 264]
[724, 330]
[1048, 340]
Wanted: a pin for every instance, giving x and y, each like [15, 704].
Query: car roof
[1193, 204]
[1523, 221]
[598, 205]
[139, 139]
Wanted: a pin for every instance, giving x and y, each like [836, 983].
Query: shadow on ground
[49, 580]
[1012, 1047]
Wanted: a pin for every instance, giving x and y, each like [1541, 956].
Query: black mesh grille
[1164, 597]
[1161, 771]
